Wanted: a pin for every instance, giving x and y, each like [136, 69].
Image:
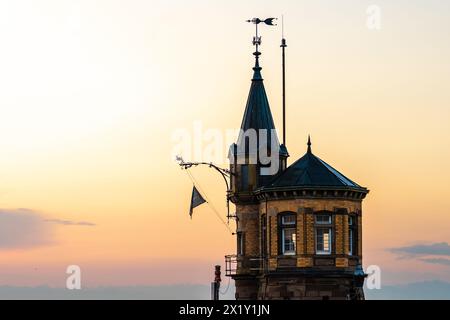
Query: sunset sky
[92, 92]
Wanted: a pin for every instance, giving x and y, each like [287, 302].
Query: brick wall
[248, 224]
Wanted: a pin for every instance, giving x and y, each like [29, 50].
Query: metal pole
[283, 46]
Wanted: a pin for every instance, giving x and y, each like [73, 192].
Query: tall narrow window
[323, 234]
[352, 236]
[288, 234]
[240, 243]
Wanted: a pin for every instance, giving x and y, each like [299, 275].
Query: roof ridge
[337, 174]
[311, 171]
[320, 162]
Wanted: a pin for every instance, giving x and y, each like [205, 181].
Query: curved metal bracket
[226, 174]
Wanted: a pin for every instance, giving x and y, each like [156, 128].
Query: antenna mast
[283, 59]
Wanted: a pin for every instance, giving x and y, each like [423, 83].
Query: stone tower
[299, 227]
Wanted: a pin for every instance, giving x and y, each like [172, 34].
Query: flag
[196, 200]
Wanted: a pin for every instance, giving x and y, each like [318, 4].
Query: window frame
[328, 222]
[323, 225]
[352, 235]
[282, 227]
[240, 243]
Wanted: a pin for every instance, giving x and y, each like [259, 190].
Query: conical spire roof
[257, 115]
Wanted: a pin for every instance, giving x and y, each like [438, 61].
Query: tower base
[277, 287]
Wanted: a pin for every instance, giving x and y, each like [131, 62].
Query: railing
[231, 265]
[246, 264]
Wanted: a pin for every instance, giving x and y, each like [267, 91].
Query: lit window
[323, 233]
[288, 234]
[323, 240]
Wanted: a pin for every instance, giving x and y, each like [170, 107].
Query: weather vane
[256, 22]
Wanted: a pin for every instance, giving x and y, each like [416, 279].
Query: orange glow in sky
[91, 94]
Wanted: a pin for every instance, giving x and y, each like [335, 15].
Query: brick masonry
[250, 219]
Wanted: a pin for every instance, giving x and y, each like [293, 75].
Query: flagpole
[283, 47]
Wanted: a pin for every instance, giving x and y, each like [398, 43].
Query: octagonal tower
[299, 228]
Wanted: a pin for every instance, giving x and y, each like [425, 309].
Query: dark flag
[196, 200]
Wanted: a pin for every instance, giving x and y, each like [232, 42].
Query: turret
[257, 156]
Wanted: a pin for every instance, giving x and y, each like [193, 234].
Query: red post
[216, 284]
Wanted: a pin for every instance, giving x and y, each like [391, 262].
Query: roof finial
[257, 69]
[309, 144]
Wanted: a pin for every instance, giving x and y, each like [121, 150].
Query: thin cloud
[434, 249]
[428, 290]
[440, 261]
[70, 223]
[23, 228]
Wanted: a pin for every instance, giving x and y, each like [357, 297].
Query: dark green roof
[257, 113]
[311, 171]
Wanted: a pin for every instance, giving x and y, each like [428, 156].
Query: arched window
[288, 233]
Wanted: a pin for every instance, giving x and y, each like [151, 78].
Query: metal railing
[231, 264]
[245, 264]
